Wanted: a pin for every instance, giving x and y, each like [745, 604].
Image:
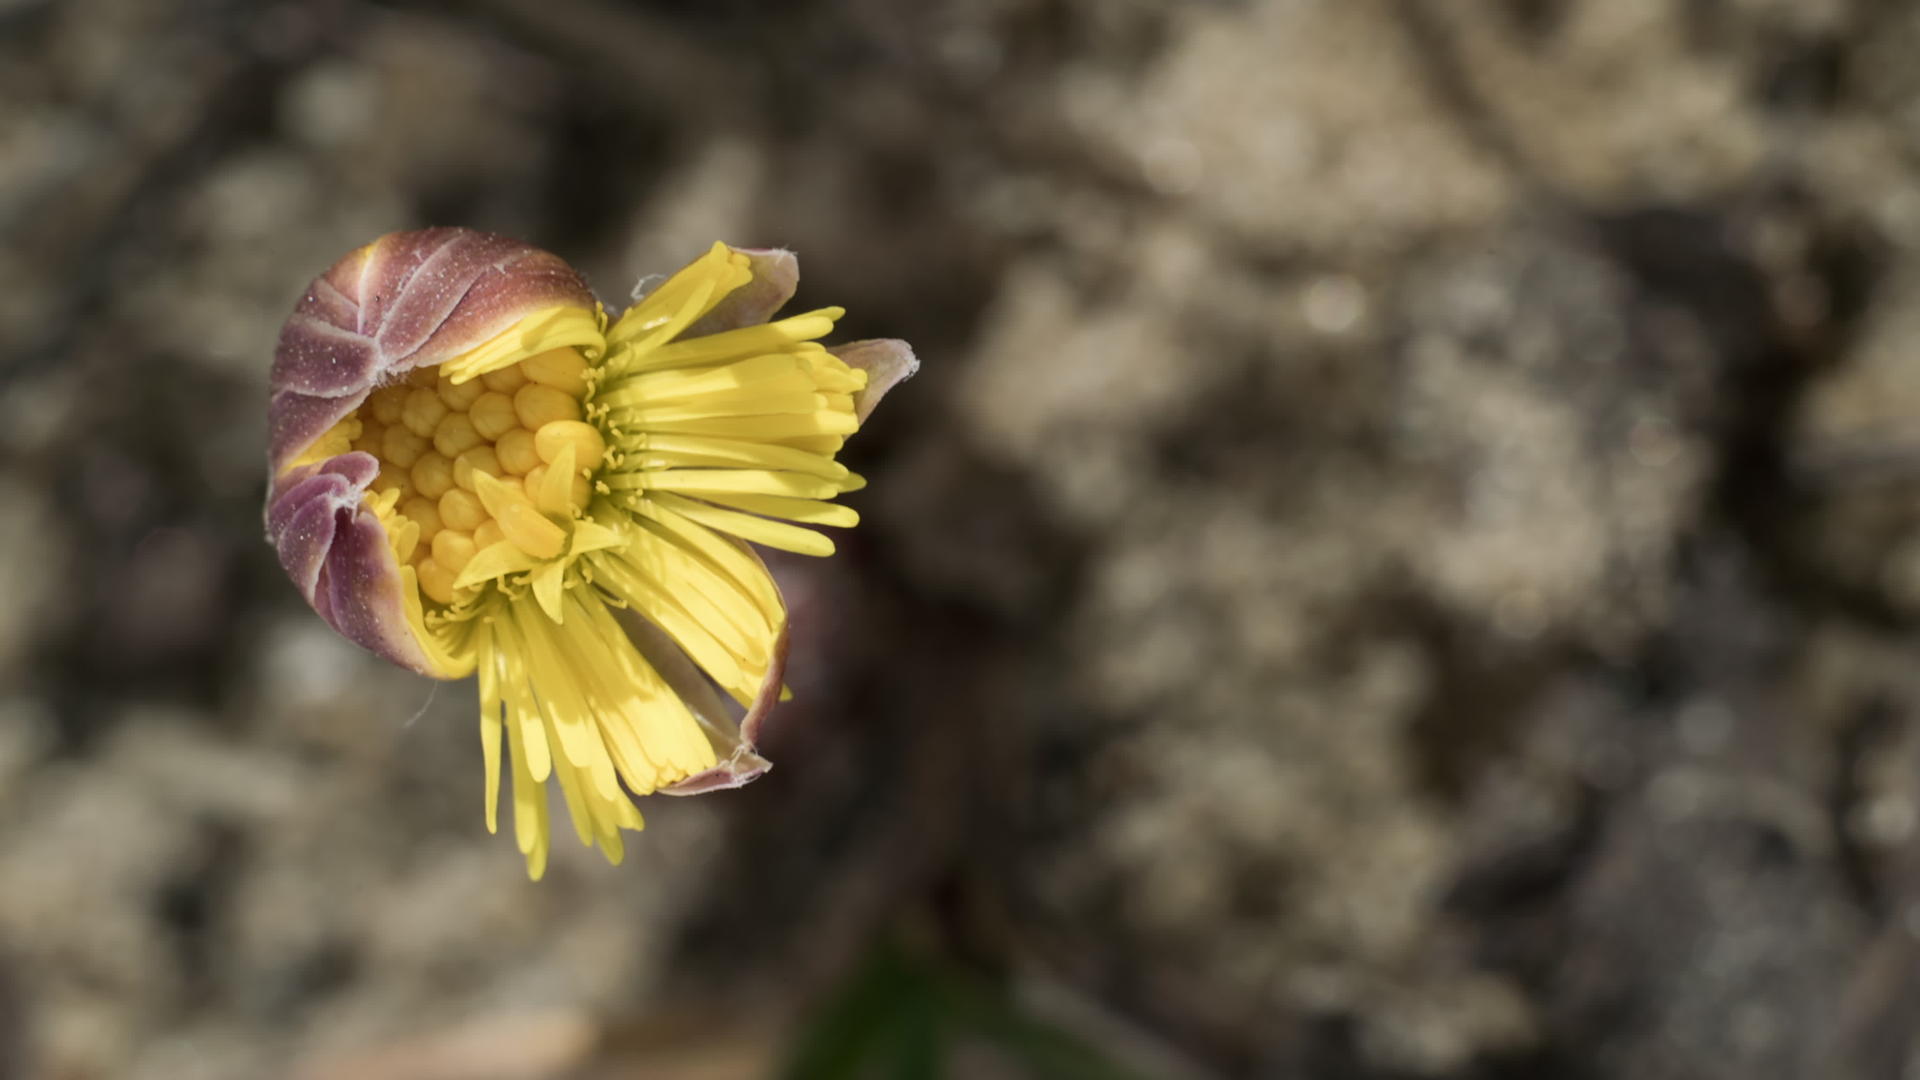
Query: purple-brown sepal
[407, 300]
[337, 553]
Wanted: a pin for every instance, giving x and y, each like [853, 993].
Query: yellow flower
[476, 471]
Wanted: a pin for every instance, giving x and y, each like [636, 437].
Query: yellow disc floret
[504, 457]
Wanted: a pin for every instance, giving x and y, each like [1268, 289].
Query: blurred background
[1402, 563]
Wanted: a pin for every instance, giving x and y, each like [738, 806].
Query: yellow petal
[520, 521]
[556, 488]
[547, 583]
[489, 720]
[539, 332]
[495, 561]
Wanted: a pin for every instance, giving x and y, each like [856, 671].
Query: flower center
[432, 437]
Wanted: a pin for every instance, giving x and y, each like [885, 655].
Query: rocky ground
[1402, 564]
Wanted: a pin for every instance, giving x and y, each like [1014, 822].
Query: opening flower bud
[472, 466]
